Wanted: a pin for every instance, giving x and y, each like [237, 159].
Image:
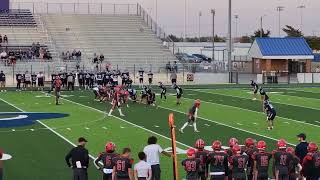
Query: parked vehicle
[202, 57]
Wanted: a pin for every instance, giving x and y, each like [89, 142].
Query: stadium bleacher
[17, 17]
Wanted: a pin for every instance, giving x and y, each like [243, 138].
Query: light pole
[185, 20]
[261, 25]
[229, 40]
[213, 12]
[301, 15]
[236, 18]
[157, 11]
[199, 33]
[279, 9]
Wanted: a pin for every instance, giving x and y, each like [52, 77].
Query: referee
[79, 160]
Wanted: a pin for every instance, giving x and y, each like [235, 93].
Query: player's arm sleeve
[96, 162]
[67, 158]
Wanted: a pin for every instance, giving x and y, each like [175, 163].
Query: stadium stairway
[125, 40]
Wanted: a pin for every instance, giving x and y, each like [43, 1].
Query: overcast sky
[171, 14]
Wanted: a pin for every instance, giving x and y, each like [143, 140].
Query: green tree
[292, 32]
[314, 42]
[245, 39]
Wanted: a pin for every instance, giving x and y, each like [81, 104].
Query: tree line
[313, 41]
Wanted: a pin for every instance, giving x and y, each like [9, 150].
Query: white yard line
[267, 137]
[302, 122]
[257, 134]
[209, 92]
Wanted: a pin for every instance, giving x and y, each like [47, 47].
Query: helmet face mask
[110, 147]
[282, 144]
[261, 145]
[249, 142]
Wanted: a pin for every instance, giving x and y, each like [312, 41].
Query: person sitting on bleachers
[3, 55]
[78, 55]
[0, 39]
[5, 39]
[101, 58]
[74, 53]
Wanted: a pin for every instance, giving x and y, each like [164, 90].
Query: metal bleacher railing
[76, 8]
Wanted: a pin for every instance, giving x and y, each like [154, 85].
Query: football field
[38, 149]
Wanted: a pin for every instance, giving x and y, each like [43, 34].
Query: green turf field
[225, 112]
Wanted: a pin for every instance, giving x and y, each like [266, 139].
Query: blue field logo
[16, 119]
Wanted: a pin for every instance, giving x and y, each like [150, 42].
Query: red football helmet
[282, 144]
[1, 153]
[216, 145]
[261, 145]
[199, 144]
[312, 147]
[191, 152]
[110, 146]
[236, 149]
[57, 77]
[197, 103]
[249, 142]
[290, 150]
[233, 141]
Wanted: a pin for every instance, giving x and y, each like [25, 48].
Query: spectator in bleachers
[3, 55]
[74, 53]
[0, 38]
[5, 39]
[41, 54]
[67, 55]
[37, 48]
[78, 55]
[101, 58]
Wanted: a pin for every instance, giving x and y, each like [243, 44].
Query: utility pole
[261, 25]
[279, 9]
[199, 33]
[301, 16]
[213, 12]
[185, 20]
[230, 40]
[236, 18]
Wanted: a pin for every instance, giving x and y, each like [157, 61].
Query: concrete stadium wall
[308, 77]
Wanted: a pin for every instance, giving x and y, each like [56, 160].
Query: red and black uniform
[122, 166]
[250, 151]
[293, 166]
[239, 165]
[262, 160]
[192, 167]
[218, 162]
[311, 166]
[191, 114]
[116, 102]
[202, 156]
[106, 159]
[57, 86]
[281, 164]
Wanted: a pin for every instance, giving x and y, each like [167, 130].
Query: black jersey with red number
[192, 110]
[106, 159]
[122, 165]
[262, 163]
[239, 165]
[191, 166]
[218, 162]
[282, 161]
[202, 156]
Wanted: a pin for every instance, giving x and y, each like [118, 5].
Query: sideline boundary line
[49, 128]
